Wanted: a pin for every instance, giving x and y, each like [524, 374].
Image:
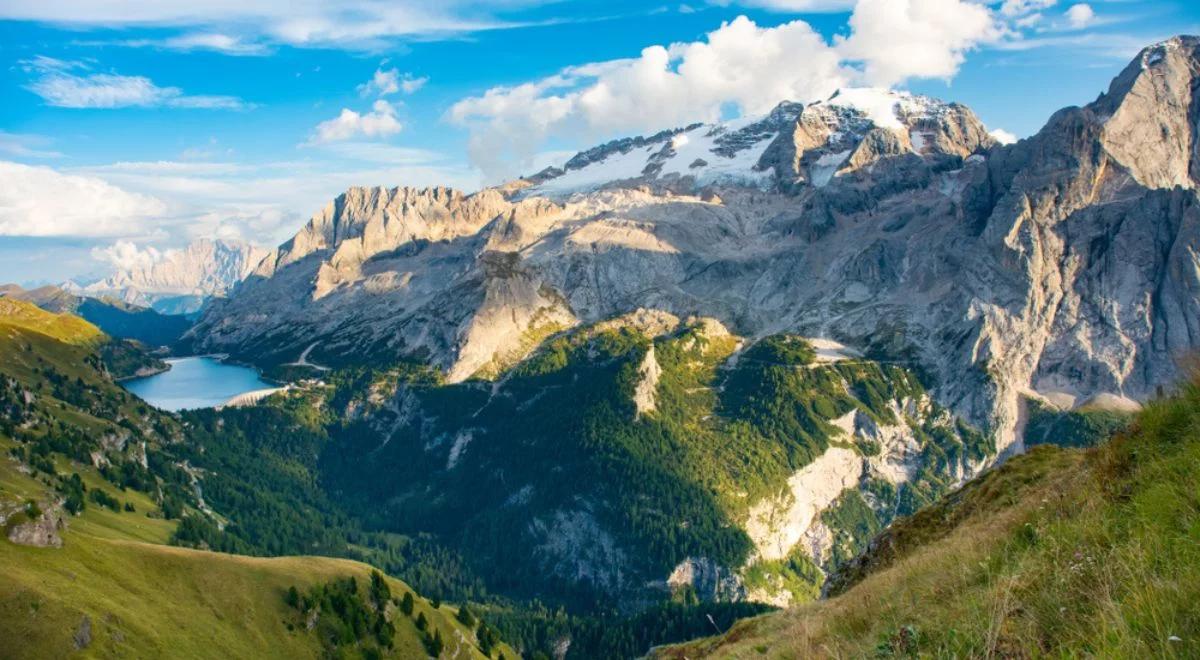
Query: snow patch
[822, 171]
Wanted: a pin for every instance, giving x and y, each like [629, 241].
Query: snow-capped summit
[792, 145]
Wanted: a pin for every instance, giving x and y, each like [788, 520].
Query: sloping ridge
[1059, 552]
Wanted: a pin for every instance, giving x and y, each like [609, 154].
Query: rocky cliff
[1059, 268]
[179, 280]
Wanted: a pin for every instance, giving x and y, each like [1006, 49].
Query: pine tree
[380, 592]
[406, 605]
[293, 597]
[437, 641]
[422, 624]
[465, 617]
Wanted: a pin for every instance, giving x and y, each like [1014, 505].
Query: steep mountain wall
[1060, 267]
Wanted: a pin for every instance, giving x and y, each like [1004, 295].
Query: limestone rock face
[1063, 264]
[42, 532]
[204, 268]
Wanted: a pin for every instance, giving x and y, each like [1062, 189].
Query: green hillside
[144, 599]
[66, 328]
[116, 318]
[1058, 553]
[91, 488]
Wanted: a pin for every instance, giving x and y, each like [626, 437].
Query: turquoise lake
[196, 382]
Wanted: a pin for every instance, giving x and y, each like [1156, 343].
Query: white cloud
[900, 39]
[222, 43]
[26, 146]
[59, 86]
[352, 24]
[1002, 136]
[191, 41]
[791, 5]
[125, 255]
[391, 81]
[40, 201]
[1012, 8]
[739, 66]
[738, 63]
[267, 202]
[1080, 16]
[380, 122]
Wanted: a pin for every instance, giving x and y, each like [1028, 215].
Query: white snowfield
[732, 152]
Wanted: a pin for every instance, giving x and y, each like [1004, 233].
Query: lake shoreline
[198, 381]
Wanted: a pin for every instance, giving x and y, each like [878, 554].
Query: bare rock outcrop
[44, 531]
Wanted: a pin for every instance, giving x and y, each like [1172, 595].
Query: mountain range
[178, 281]
[874, 266]
[1057, 268]
[804, 360]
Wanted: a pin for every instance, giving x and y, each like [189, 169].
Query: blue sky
[144, 125]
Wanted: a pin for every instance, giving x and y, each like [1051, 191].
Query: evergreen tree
[434, 644]
[406, 605]
[465, 617]
[380, 592]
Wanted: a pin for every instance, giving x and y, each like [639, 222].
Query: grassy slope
[114, 317]
[143, 598]
[1060, 552]
[63, 327]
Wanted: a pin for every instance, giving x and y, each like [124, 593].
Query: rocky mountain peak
[203, 268]
[364, 221]
[790, 147]
[1151, 114]
[1057, 267]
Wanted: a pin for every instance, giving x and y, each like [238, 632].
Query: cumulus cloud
[900, 39]
[391, 81]
[379, 122]
[60, 85]
[740, 66]
[1080, 16]
[1002, 136]
[740, 63]
[40, 201]
[127, 256]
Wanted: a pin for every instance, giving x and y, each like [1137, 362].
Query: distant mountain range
[181, 280]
